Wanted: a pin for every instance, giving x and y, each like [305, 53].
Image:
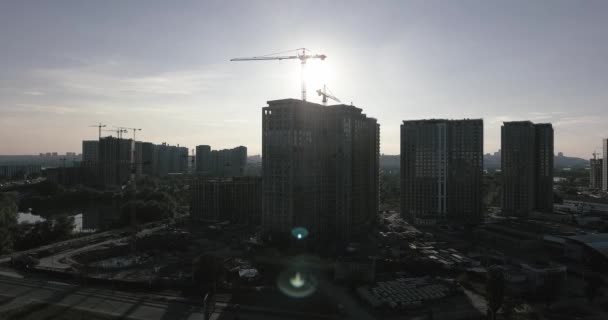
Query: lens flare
[299, 233]
[297, 283]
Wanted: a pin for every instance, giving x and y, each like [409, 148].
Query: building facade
[17, 171]
[221, 163]
[527, 167]
[89, 150]
[203, 160]
[595, 173]
[442, 171]
[544, 157]
[320, 169]
[170, 160]
[605, 165]
[114, 160]
[238, 199]
[147, 155]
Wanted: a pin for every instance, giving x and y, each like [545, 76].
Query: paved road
[90, 240]
[18, 292]
[61, 261]
[129, 305]
[65, 244]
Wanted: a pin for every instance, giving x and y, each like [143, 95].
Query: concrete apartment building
[595, 173]
[170, 160]
[203, 160]
[320, 169]
[221, 163]
[13, 171]
[605, 165]
[442, 171]
[544, 157]
[527, 167]
[146, 155]
[89, 150]
[238, 199]
[114, 160]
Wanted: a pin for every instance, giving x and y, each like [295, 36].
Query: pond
[87, 218]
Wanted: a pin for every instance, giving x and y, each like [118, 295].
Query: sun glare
[317, 74]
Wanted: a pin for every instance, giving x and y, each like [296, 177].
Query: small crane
[302, 55]
[323, 92]
[119, 132]
[132, 129]
[100, 125]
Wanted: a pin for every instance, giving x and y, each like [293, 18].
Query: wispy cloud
[32, 93]
[236, 121]
[500, 119]
[110, 79]
[558, 119]
[577, 120]
[38, 108]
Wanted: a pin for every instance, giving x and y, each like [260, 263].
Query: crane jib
[303, 57]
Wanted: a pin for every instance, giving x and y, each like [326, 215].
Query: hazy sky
[164, 66]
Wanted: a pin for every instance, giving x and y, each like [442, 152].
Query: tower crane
[100, 125]
[302, 54]
[323, 92]
[132, 129]
[118, 132]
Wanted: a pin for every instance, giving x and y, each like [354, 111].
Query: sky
[163, 66]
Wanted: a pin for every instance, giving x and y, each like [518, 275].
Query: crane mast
[100, 125]
[302, 54]
[323, 92]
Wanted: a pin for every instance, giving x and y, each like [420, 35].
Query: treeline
[16, 236]
[150, 203]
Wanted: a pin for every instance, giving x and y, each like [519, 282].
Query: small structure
[591, 249]
[537, 273]
[363, 269]
[404, 293]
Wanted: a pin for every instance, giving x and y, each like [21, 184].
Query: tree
[147, 211]
[508, 307]
[62, 227]
[550, 289]
[593, 284]
[28, 235]
[8, 221]
[557, 198]
[495, 290]
[207, 270]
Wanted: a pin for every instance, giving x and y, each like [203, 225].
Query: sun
[316, 75]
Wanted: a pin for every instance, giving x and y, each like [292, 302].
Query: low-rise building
[537, 273]
[18, 171]
[238, 199]
[404, 293]
[361, 269]
[590, 249]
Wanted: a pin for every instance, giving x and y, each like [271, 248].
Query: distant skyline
[164, 66]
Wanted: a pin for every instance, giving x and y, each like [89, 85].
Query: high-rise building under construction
[527, 167]
[320, 168]
[442, 171]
